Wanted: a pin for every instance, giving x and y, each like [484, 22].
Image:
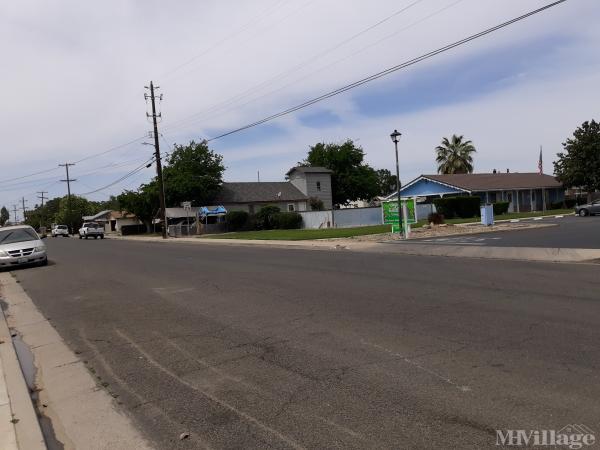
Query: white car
[20, 245]
[60, 230]
[91, 229]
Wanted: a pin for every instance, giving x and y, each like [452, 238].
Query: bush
[555, 205]
[500, 208]
[570, 203]
[287, 220]
[236, 220]
[316, 204]
[435, 218]
[265, 218]
[462, 207]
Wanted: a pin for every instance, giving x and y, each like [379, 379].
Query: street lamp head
[395, 136]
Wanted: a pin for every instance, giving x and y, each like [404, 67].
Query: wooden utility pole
[42, 197]
[68, 181]
[23, 201]
[15, 213]
[159, 175]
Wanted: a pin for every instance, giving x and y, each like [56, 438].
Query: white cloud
[73, 76]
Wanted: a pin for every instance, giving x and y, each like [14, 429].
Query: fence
[342, 218]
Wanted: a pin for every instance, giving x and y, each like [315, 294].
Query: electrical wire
[295, 68]
[388, 71]
[122, 178]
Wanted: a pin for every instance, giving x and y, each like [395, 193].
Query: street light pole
[395, 139]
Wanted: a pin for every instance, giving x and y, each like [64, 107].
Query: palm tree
[455, 156]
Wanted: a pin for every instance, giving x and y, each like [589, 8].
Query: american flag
[540, 163]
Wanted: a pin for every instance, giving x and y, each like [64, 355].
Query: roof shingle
[498, 181]
[253, 192]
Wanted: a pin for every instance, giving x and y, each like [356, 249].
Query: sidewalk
[19, 426]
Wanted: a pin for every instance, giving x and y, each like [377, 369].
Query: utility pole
[159, 176]
[42, 197]
[15, 213]
[23, 201]
[68, 181]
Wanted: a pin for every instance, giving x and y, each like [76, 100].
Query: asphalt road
[569, 232]
[248, 347]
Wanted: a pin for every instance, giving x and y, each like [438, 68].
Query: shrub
[435, 218]
[265, 219]
[555, 205]
[287, 220]
[316, 204]
[570, 203]
[500, 208]
[236, 220]
[463, 207]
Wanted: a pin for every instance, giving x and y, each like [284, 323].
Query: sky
[73, 76]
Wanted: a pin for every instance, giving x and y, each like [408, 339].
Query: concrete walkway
[19, 427]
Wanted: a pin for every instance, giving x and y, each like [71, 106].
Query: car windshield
[90, 225]
[17, 235]
[62, 227]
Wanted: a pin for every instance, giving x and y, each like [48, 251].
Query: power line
[297, 67]
[122, 178]
[388, 71]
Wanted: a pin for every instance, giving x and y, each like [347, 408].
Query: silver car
[20, 245]
[588, 209]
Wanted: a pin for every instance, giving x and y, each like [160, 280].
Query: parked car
[60, 230]
[588, 209]
[91, 229]
[20, 245]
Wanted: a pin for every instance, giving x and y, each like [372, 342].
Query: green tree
[455, 155]
[72, 215]
[386, 182]
[193, 173]
[4, 216]
[143, 203]
[579, 165]
[351, 179]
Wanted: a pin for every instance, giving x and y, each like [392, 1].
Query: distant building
[523, 191]
[112, 221]
[292, 195]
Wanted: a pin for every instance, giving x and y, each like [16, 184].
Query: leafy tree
[455, 155]
[580, 165]
[4, 216]
[386, 182]
[72, 215]
[351, 179]
[143, 203]
[193, 173]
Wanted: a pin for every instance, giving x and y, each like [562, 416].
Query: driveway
[570, 232]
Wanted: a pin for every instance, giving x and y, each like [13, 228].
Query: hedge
[462, 207]
[265, 218]
[287, 220]
[236, 220]
[500, 208]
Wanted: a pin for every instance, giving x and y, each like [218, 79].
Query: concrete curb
[510, 253]
[19, 426]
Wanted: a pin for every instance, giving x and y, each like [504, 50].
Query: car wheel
[583, 212]
[86, 236]
[79, 236]
[44, 262]
[101, 236]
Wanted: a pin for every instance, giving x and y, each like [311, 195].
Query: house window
[318, 185]
[291, 207]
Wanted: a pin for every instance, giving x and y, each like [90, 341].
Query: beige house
[112, 221]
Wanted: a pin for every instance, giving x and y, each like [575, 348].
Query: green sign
[390, 211]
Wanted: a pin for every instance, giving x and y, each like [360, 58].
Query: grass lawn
[299, 235]
[328, 233]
